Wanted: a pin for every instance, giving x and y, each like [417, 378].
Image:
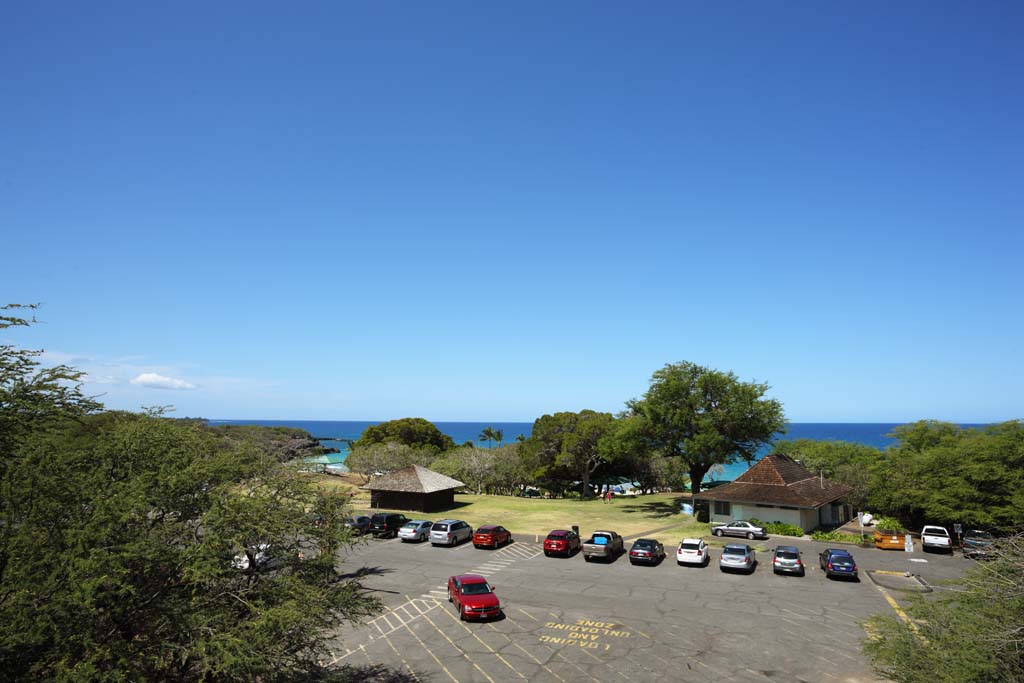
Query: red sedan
[473, 597]
[561, 542]
[491, 536]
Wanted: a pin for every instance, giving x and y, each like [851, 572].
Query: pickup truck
[604, 544]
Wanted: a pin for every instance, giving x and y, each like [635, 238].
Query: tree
[411, 431]
[571, 442]
[968, 633]
[474, 466]
[705, 417]
[381, 458]
[487, 435]
[939, 473]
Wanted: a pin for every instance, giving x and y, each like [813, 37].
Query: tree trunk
[697, 473]
[586, 482]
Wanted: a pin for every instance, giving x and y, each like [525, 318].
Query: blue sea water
[335, 434]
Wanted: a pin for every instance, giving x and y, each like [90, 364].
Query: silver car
[450, 532]
[735, 556]
[740, 528]
[415, 530]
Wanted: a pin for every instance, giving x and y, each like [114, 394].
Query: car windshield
[842, 559]
[644, 544]
[440, 527]
[485, 530]
[556, 537]
[410, 525]
[475, 588]
[788, 555]
[730, 550]
[690, 546]
[936, 531]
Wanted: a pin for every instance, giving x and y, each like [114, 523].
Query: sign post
[957, 529]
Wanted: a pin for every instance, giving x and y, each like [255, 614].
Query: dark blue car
[837, 562]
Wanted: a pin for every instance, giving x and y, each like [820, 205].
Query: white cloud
[155, 381]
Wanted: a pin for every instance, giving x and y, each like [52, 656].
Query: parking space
[567, 620]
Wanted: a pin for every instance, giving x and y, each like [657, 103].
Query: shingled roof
[778, 480]
[413, 479]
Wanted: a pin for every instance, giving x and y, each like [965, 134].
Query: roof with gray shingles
[413, 479]
[778, 480]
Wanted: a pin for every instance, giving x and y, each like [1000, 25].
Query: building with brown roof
[779, 489]
[413, 488]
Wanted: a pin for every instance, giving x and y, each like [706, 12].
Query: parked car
[646, 551]
[978, 544]
[530, 493]
[837, 562]
[936, 538]
[736, 556]
[561, 542]
[358, 525]
[257, 557]
[383, 524]
[693, 551]
[787, 560]
[416, 530]
[606, 545]
[491, 536]
[473, 596]
[741, 528]
[450, 532]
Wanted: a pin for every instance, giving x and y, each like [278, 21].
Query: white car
[416, 530]
[936, 538]
[693, 551]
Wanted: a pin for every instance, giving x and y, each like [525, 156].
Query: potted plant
[889, 534]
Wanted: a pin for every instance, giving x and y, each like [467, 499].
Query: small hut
[413, 488]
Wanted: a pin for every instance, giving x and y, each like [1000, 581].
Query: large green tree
[569, 444]
[970, 632]
[411, 431]
[705, 417]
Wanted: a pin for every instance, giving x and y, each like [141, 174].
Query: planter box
[890, 540]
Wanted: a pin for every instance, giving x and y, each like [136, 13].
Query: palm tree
[488, 435]
[498, 435]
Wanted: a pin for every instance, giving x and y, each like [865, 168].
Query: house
[779, 489]
[413, 488]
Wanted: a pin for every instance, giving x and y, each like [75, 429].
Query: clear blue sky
[469, 211]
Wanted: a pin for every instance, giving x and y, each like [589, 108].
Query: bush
[830, 536]
[783, 529]
[890, 524]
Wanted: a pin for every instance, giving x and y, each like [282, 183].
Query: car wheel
[750, 535]
[717, 532]
[586, 558]
[449, 595]
[547, 554]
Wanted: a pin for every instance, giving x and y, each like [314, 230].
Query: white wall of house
[806, 519]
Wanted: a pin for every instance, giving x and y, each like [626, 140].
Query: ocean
[335, 433]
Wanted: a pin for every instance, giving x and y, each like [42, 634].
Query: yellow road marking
[902, 615]
[456, 647]
[429, 652]
[482, 642]
[527, 652]
[526, 613]
[399, 655]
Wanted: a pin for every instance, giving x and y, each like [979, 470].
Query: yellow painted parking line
[525, 651]
[431, 653]
[559, 654]
[890, 572]
[482, 642]
[527, 614]
[398, 654]
[902, 615]
[456, 647]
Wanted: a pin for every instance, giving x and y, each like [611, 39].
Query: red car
[561, 542]
[473, 596]
[491, 536]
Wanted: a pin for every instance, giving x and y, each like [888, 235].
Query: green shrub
[890, 524]
[829, 536]
[783, 529]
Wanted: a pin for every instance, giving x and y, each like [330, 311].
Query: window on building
[723, 508]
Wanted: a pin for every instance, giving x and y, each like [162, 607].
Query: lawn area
[530, 517]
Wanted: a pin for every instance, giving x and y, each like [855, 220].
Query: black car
[646, 551]
[387, 524]
[837, 562]
[358, 525]
[787, 560]
[978, 545]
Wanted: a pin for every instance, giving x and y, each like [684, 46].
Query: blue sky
[467, 212]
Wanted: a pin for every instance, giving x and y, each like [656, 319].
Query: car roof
[738, 546]
[692, 540]
[487, 527]
[559, 532]
[645, 540]
[470, 578]
[418, 521]
[838, 551]
[788, 549]
[447, 521]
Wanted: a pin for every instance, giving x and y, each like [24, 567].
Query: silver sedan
[735, 556]
[416, 530]
[740, 528]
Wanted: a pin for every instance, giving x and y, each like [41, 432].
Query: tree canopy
[411, 431]
[705, 417]
[569, 444]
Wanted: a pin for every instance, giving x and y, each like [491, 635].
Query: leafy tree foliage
[968, 633]
[939, 473]
[705, 417]
[411, 431]
[569, 445]
[490, 434]
[380, 458]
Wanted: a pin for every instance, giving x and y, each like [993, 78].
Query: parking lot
[567, 620]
